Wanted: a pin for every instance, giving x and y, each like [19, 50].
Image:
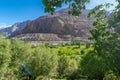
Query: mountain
[5, 31]
[60, 26]
[13, 29]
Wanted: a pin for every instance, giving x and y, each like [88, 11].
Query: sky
[12, 11]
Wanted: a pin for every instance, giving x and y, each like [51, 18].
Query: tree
[20, 54]
[96, 63]
[114, 41]
[67, 65]
[4, 56]
[43, 62]
[76, 6]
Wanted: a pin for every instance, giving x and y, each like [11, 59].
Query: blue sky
[12, 11]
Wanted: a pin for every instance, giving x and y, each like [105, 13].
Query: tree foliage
[105, 55]
[43, 62]
[66, 66]
[76, 6]
[4, 56]
[20, 52]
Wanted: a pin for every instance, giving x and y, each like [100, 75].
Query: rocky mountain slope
[60, 26]
[13, 29]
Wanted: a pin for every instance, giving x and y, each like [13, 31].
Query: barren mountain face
[60, 26]
[13, 29]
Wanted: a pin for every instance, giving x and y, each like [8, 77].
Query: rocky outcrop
[13, 29]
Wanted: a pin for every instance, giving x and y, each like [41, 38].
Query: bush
[4, 56]
[20, 54]
[110, 76]
[43, 62]
[66, 66]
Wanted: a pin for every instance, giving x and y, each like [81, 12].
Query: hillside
[13, 29]
[60, 26]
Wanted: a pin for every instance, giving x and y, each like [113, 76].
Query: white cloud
[4, 25]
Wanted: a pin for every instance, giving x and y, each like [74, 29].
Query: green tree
[76, 6]
[100, 60]
[94, 65]
[43, 62]
[20, 54]
[67, 65]
[114, 48]
[4, 56]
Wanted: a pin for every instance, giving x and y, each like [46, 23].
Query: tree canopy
[75, 6]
